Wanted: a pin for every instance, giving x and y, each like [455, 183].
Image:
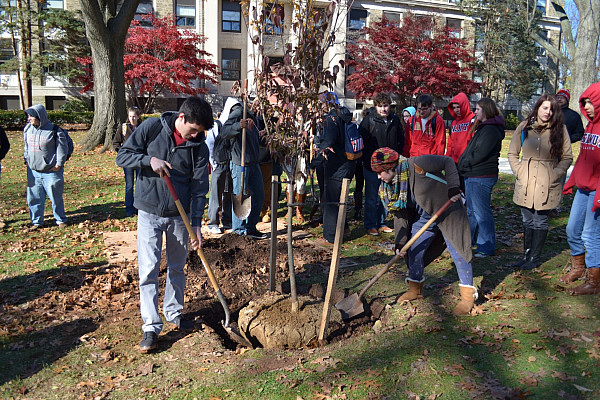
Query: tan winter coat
[538, 183]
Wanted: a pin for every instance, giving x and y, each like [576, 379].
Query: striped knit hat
[383, 159]
[564, 93]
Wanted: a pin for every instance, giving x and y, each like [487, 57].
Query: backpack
[70, 145]
[353, 142]
[222, 147]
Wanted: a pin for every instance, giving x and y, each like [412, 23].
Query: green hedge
[16, 119]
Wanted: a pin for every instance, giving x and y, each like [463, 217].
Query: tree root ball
[270, 322]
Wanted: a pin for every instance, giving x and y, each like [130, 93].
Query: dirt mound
[269, 321]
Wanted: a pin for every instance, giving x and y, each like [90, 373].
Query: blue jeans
[374, 210]
[583, 228]
[151, 229]
[254, 185]
[40, 185]
[416, 254]
[130, 177]
[478, 193]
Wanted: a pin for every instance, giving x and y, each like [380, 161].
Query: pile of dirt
[270, 322]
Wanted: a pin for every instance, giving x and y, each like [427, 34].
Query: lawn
[66, 332]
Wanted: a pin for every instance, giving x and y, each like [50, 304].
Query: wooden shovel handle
[412, 240]
[191, 232]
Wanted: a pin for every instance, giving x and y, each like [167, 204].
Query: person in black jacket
[479, 166]
[232, 130]
[336, 165]
[380, 128]
[4, 147]
[571, 118]
[171, 145]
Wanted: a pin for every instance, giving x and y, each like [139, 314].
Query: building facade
[224, 24]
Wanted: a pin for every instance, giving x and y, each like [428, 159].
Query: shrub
[76, 105]
[16, 119]
[511, 122]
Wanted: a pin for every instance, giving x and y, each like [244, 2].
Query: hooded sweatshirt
[459, 136]
[43, 150]
[586, 173]
[422, 139]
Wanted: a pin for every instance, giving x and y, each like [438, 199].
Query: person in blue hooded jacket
[45, 153]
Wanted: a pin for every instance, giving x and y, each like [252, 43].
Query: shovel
[232, 333]
[242, 203]
[352, 305]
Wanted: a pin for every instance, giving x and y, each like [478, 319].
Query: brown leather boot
[577, 269]
[414, 292]
[300, 199]
[591, 285]
[468, 295]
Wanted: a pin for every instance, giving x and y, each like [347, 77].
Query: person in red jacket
[426, 133]
[583, 228]
[459, 136]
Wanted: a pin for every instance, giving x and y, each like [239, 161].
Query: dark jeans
[220, 196]
[535, 219]
[130, 177]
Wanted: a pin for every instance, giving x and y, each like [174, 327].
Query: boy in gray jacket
[46, 150]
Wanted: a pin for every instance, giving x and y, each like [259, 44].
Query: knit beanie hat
[564, 93]
[383, 159]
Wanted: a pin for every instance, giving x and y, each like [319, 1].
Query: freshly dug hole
[268, 321]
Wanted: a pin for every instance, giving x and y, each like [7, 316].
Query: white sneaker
[215, 230]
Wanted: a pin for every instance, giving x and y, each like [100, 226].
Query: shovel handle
[412, 240]
[191, 232]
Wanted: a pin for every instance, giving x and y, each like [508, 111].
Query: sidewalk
[504, 167]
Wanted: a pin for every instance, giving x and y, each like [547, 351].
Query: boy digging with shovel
[413, 190]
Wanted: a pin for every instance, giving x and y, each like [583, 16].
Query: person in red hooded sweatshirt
[460, 134]
[425, 131]
[583, 228]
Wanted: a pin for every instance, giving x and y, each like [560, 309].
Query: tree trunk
[109, 93]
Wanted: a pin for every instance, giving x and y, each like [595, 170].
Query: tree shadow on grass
[26, 354]
[24, 288]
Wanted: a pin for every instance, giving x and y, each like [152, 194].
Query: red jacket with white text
[459, 135]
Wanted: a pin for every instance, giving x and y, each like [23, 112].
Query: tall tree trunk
[109, 94]
[106, 30]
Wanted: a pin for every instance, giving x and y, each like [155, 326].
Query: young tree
[508, 57]
[408, 59]
[44, 42]
[106, 29]
[160, 57]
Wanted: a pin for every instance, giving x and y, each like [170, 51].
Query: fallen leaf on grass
[593, 354]
[145, 369]
[530, 381]
[531, 359]
[532, 330]
[530, 296]
[582, 389]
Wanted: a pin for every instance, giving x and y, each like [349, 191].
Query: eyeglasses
[424, 108]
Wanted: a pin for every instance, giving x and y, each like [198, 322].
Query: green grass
[529, 340]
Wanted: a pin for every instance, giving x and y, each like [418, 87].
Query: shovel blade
[242, 205]
[237, 336]
[350, 307]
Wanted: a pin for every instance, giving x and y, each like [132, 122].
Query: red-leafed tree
[408, 59]
[162, 58]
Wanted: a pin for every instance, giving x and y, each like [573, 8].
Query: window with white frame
[275, 12]
[231, 17]
[6, 50]
[231, 64]
[454, 26]
[143, 9]
[59, 4]
[186, 13]
[541, 6]
[394, 17]
[357, 19]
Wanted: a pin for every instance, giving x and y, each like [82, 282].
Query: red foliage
[162, 57]
[406, 60]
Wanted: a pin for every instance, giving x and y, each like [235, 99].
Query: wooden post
[335, 259]
[274, 204]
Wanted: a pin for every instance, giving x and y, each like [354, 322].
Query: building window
[186, 13]
[393, 17]
[541, 52]
[59, 4]
[231, 64]
[479, 37]
[276, 15]
[541, 6]
[357, 19]
[143, 9]
[454, 26]
[231, 16]
[6, 51]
